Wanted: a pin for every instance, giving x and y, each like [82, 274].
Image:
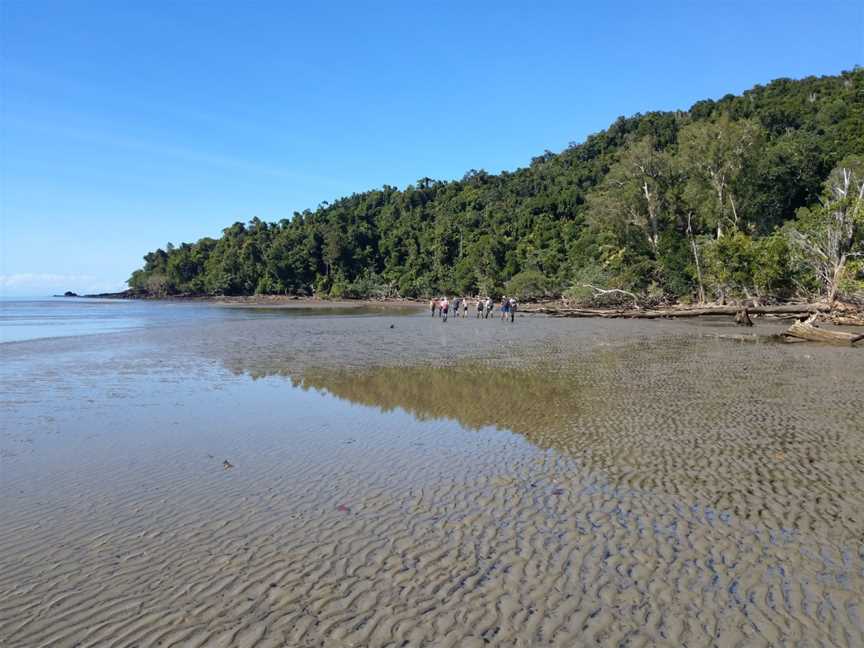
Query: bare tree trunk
[742, 317]
[807, 330]
[652, 217]
[834, 281]
[608, 291]
[696, 258]
[719, 188]
[734, 210]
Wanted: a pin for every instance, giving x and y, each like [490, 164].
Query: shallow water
[547, 483]
[36, 318]
[23, 319]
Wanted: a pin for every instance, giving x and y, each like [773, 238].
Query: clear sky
[125, 125]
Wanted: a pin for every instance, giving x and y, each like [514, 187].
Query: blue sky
[125, 125]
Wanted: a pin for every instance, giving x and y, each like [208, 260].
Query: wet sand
[319, 306]
[549, 483]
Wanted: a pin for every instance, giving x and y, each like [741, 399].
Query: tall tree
[635, 191]
[640, 204]
[829, 236]
[714, 155]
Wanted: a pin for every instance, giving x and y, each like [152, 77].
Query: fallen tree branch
[791, 310]
[612, 291]
[843, 320]
[742, 317]
[806, 330]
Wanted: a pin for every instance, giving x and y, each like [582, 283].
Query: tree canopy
[737, 197]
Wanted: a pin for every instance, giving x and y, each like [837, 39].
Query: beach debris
[783, 310]
[742, 317]
[557, 491]
[392, 326]
[807, 330]
[227, 465]
[343, 508]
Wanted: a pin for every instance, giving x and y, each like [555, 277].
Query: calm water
[36, 318]
[399, 481]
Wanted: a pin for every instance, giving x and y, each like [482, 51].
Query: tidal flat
[397, 481]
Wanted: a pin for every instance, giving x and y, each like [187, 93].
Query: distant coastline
[848, 314]
[259, 301]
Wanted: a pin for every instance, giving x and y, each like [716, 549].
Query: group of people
[482, 307]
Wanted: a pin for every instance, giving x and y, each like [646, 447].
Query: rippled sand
[550, 483]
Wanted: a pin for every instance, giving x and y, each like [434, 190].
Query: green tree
[642, 201]
[829, 236]
[634, 192]
[714, 156]
[530, 285]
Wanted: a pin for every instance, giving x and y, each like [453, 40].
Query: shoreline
[264, 301]
[842, 314]
[599, 443]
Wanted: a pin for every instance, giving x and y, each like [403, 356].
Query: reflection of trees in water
[567, 405]
[519, 399]
[662, 418]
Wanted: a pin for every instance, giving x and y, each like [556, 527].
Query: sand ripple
[667, 493]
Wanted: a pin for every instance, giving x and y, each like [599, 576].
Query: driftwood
[742, 317]
[786, 310]
[846, 320]
[807, 330]
[613, 291]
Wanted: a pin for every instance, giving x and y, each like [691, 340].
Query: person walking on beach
[490, 305]
[512, 305]
[479, 308]
[464, 307]
[505, 307]
[444, 307]
[456, 301]
[432, 305]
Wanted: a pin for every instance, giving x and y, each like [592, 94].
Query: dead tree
[807, 330]
[742, 317]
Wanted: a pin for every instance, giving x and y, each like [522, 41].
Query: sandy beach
[546, 483]
[389, 325]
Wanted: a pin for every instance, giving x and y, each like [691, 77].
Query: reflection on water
[40, 318]
[671, 416]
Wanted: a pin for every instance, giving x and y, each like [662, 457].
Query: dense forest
[757, 195]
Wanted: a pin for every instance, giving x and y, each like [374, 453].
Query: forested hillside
[751, 195]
